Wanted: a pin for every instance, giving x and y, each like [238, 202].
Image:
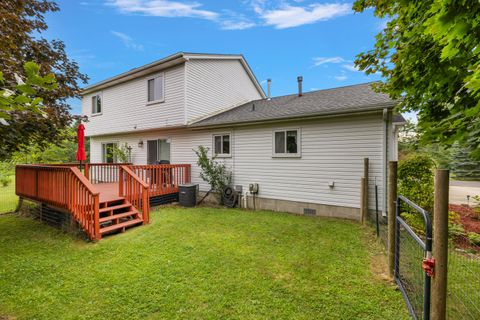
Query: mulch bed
[470, 224]
[467, 219]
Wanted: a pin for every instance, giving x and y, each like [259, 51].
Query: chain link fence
[463, 284]
[8, 199]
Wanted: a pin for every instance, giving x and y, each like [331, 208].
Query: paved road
[460, 189]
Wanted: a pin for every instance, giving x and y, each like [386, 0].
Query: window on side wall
[155, 88]
[221, 145]
[97, 104]
[286, 143]
[108, 156]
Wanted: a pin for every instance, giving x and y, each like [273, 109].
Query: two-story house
[306, 150]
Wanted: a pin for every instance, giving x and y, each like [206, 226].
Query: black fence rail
[377, 218]
[412, 247]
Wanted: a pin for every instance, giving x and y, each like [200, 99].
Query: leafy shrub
[415, 221]
[456, 231]
[474, 238]
[5, 180]
[213, 172]
[415, 180]
[122, 154]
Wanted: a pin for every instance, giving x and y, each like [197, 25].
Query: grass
[200, 263]
[8, 199]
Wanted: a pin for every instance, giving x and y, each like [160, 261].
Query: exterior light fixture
[140, 144]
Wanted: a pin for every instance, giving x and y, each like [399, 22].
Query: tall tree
[23, 21]
[429, 54]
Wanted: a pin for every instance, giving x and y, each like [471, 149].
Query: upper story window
[155, 87]
[221, 145]
[97, 104]
[286, 143]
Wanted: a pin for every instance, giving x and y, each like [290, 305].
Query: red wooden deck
[108, 191]
[104, 198]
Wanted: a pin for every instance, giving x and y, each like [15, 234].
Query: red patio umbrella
[81, 155]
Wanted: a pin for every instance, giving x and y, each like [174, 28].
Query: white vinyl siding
[215, 85]
[332, 149]
[126, 108]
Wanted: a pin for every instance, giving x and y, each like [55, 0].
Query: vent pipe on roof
[269, 84]
[299, 79]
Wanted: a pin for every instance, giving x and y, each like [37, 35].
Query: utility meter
[253, 188]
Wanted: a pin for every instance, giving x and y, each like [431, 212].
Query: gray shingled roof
[343, 100]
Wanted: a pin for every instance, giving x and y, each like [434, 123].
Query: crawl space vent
[309, 211]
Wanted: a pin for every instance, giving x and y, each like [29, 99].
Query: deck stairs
[116, 215]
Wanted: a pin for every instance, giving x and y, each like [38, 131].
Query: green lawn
[200, 263]
[8, 199]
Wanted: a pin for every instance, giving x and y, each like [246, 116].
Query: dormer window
[97, 104]
[155, 87]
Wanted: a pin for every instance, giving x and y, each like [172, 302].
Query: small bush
[415, 180]
[213, 172]
[456, 231]
[474, 238]
[5, 180]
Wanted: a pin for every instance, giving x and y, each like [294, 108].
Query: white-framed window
[97, 104]
[222, 145]
[108, 156]
[287, 143]
[156, 89]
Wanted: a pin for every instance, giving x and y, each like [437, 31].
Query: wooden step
[118, 206]
[118, 216]
[120, 226]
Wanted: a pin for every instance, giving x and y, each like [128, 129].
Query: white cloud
[163, 8]
[127, 41]
[351, 67]
[231, 20]
[318, 61]
[293, 16]
[341, 77]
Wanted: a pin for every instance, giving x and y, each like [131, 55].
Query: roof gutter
[156, 66]
[307, 117]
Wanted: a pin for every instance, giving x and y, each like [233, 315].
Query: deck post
[87, 171]
[120, 181]
[96, 217]
[145, 206]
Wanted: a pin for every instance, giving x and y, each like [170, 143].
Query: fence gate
[413, 257]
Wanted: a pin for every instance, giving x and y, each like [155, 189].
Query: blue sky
[280, 39]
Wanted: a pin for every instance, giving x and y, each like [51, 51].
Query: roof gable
[168, 62]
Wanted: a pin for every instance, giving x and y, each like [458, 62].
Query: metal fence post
[362, 200]
[440, 244]
[392, 197]
[365, 194]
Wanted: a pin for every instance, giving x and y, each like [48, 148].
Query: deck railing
[135, 191]
[103, 172]
[163, 178]
[64, 187]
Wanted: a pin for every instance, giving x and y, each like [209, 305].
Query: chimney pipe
[269, 84]
[299, 79]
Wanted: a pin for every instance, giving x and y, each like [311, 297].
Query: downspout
[385, 160]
